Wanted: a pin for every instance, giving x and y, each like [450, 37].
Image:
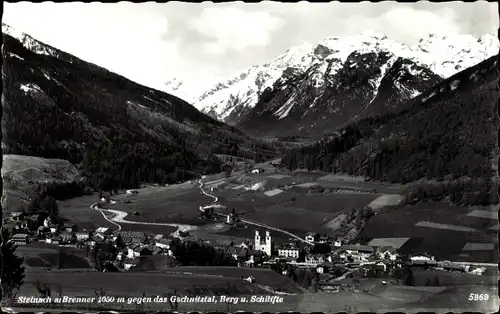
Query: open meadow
[263, 276]
[295, 209]
[78, 211]
[39, 254]
[151, 284]
[168, 205]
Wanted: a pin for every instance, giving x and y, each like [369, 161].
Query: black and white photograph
[261, 157]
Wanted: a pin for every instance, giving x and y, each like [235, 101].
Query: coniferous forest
[117, 132]
[444, 135]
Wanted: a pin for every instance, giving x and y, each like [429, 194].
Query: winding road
[258, 224]
[119, 218]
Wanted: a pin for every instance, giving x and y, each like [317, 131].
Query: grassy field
[263, 276]
[169, 205]
[453, 278]
[294, 209]
[132, 284]
[446, 244]
[78, 211]
[38, 254]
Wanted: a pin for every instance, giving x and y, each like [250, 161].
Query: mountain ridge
[234, 98]
[118, 132]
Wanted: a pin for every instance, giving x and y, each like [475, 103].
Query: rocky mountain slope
[295, 90]
[119, 133]
[446, 133]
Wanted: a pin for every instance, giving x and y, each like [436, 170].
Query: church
[264, 246]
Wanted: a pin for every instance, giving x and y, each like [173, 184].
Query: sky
[151, 43]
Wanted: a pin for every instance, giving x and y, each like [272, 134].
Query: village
[330, 259]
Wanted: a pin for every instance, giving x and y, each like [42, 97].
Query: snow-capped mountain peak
[231, 98]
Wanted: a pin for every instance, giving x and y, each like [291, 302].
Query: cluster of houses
[262, 251]
[365, 257]
[135, 244]
[23, 228]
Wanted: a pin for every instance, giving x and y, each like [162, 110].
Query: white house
[256, 170]
[102, 230]
[163, 243]
[337, 243]
[320, 269]
[422, 257]
[82, 236]
[289, 252]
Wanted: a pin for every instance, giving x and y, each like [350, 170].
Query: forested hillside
[119, 133]
[447, 134]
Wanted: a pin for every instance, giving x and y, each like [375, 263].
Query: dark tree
[12, 273]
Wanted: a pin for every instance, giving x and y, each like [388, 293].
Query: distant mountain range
[119, 133]
[313, 89]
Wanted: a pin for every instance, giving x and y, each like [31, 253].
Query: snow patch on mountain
[29, 42]
[443, 55]
[284, 110]
[15, 56]
[375, 83]
[30, 88]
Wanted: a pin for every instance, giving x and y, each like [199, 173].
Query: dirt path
[258, 224]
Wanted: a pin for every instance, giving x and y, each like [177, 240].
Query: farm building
[163, 243]
[337, 243]
[315, 259]
[357, 249]
[20, 239]
[312, 237]
[257, 170]
[103, 230]
[387, 252]
[66, 236]
[82, 236]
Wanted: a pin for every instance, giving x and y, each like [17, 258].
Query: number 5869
[478, 297]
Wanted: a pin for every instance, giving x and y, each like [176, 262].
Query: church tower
[257, 241]
[267, 248]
